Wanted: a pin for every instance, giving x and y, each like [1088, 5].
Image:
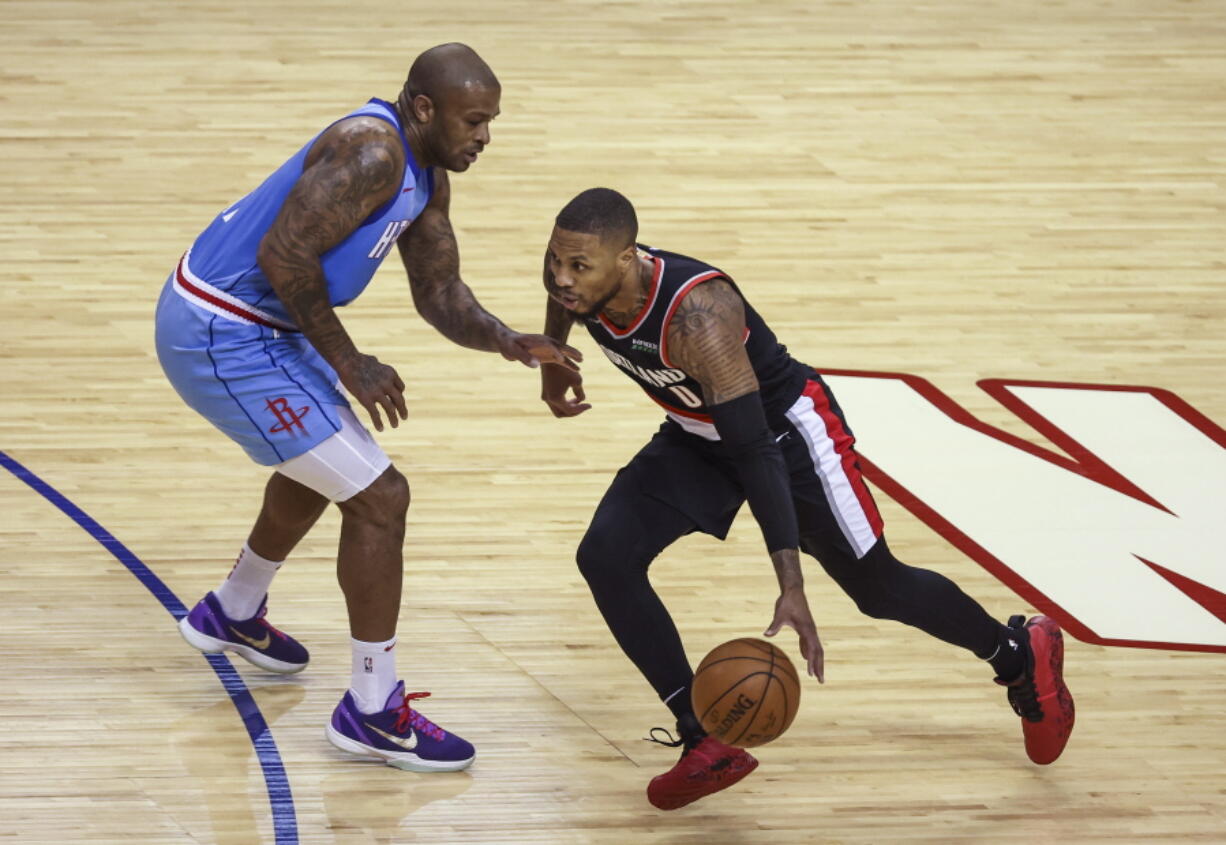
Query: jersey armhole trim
[410, 163]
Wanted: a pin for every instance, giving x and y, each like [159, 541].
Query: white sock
[374, 674]
[246, 585]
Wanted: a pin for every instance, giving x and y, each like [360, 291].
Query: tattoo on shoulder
[351, 177]
[354, 172]
[706, 340]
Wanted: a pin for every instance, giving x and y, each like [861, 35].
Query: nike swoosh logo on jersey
[251, 641]
[780, 437]
[225, 218]
[406, 190]
[407, 744]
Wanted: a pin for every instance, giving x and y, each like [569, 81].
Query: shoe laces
[259, 617]
[1024, 697]
[406, 716]
[689, 743]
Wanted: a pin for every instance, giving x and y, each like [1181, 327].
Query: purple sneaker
[399, 735]
[209, 629]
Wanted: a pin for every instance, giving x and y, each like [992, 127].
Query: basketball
[746, 692]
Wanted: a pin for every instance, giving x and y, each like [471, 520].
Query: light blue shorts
[266, 389]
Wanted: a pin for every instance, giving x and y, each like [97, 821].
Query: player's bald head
[448, 68]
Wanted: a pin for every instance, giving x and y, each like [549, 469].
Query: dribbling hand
[792, 609]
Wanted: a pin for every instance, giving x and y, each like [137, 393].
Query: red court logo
[1112, 525]
[287, 418]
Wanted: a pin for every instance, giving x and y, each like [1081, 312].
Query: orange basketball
[746, 692]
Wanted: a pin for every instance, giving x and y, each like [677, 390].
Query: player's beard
[590, 313]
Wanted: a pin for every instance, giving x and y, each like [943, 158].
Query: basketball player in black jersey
[746, 423]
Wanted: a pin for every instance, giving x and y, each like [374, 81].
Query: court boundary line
[276, 781]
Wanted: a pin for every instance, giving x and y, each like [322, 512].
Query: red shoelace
[260, 618]
[408, 716]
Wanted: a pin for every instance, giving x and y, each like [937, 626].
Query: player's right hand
[375, 385]
[556, 380]
[792, 609]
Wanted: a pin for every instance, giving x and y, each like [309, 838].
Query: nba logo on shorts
[287, 418]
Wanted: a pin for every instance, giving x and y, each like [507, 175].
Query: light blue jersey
[224, 254]
[226, 342]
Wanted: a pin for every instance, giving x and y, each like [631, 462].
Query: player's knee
[873, 603]
[384, 502]
[879, 582]
[392, 490]
[601, 558]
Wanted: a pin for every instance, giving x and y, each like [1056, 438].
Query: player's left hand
[792, 609]
[532, 350]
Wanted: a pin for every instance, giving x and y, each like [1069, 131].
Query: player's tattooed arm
[353, 168]
[705, 339]
[432, 260]
[557, 381]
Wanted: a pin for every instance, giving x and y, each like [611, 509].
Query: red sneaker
[704, 768]
[1039, 696]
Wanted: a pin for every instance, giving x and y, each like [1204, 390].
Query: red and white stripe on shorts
[834, 460]
[199, 292]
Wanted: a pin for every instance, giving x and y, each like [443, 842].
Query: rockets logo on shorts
[288, 420]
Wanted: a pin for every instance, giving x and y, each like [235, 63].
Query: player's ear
[423, 108]
[626, 257]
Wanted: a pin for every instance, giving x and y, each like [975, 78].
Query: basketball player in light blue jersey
[248, 334]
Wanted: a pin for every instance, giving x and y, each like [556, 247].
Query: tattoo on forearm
[706, 340]
[432, 259]
[787, 568]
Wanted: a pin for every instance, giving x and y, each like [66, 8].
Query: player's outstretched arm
[556, 381]
[705, 339]
[432, 260]
[353, 168]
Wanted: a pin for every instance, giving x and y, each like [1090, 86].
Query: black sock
[679, 701]
[688, 726]
[690, 729]
[1009, 658]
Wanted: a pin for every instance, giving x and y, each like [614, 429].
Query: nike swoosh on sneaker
[407, 744]
[252, 641]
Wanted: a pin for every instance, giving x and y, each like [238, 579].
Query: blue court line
[284, 822]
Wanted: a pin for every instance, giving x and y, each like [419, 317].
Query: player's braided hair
[603, 212]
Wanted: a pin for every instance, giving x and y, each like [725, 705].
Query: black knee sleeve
[885, 588]
[606, 561]
[871, 581]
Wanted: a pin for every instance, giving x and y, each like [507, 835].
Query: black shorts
[679, 483]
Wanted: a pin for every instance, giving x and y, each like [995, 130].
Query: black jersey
[641, 349]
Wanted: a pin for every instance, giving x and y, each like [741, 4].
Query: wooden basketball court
[951, 190]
